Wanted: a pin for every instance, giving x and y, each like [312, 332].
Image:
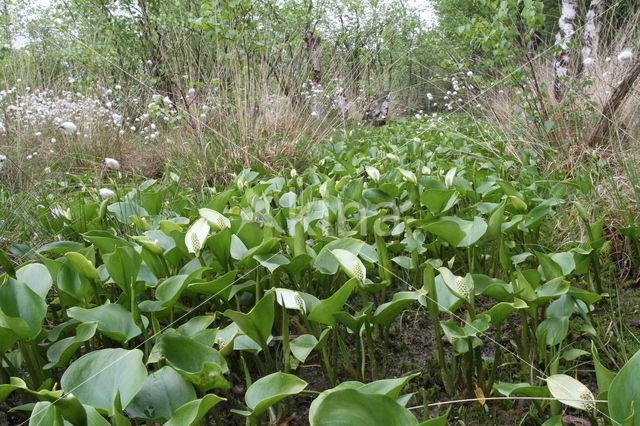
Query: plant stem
[285, 339]
[372, 355]
[331, 376]
[554, 405]
[34, 364]
[429, 284]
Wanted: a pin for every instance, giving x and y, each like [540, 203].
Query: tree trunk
[566, 29]
[609, 109]
[377, 112]
[313, 45]
[154, 52]
[591, 40]
[317, 92]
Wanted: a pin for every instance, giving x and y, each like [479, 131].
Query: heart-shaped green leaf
[265, 392]
[164, 391]
[101, 376]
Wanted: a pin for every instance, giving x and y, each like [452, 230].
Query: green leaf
[549, 267]
[552, 331]
[101, 376]
[501, 311]
[302, 346]
[45, 413]
[123, 266]
[164, 391]
[351, 407]
[458, 232]
[202, 365]
[113, 320]
[169, 290]
[436, 421]
[82, 265]
[21, 309]
[624, 393]
[494, 228]
[37, 277]
[324, 310]
[271, 261]
[521, 389]
[73, 288]
[388, 387]
[438, 200]
[220, 286]
[61, 351]
[192, 412]
[288, 200]
[387, 312]
[327, 263]
[125, 209]
[604, 376]
[268, 390]
[258, 322]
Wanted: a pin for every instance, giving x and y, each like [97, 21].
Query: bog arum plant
[216, 220]
[351, 264]
[571, 392]
[448, 179]
[196, 235]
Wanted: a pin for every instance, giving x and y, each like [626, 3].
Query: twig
[503, 398]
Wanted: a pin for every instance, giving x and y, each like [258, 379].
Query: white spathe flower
[59, 212]
[373, 173]
[68, 128]
[106, 193]
[215, 219]
[112, 163]
[448, 179]
[3, 158]
[196, 235]
[625, 56]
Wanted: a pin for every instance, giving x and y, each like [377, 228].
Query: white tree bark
[566, 30]
[592, 29]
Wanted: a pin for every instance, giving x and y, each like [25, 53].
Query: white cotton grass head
[3, 159]
[625, 56]
[112, 163]
[106, 193]
[68, 128]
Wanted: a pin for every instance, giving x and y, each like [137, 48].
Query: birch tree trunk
[317, 91]
[591, 40]
[562, 63]
[615, 101]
